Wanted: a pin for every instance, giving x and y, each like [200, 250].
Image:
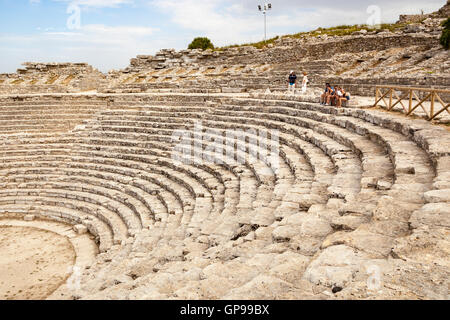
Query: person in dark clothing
[323, 97]
[331, 95]
[292, 81]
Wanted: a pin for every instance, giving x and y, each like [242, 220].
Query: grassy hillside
[343, 30]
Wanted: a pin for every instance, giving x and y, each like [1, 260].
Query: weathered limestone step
[376, 166]
[115, 166]
[195, 185]
[153, 124]
[412, 167]
[233, 163]
[365, 148]
[22, 197]
[46, 118]
[32, 149]
[73, 191]
[209, 136]
[199, 192]
[224, 174]
[19, 152]
[96, 227]
[346, 162]
[134, 198]
[393, 128]
[243, 207]
[85, 249]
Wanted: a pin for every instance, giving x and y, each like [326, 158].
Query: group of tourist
[293, 82]
[334, 96]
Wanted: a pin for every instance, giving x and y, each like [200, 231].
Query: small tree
[201, 43]
[445, 37]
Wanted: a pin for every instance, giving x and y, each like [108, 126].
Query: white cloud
[97, 3]
[101, 37]
[224, 25]
[102, 3]
[105, 47]
[229, 22]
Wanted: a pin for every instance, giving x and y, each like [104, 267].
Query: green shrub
[201, 43]
[445, 37]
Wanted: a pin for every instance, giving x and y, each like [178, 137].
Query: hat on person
[292, 71]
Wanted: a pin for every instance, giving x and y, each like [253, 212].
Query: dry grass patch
[17, 81]
[52, 79]
[68, 79]
[351, 67]
[128, 79]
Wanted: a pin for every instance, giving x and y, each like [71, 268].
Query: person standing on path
[305, 82]
[292, 82]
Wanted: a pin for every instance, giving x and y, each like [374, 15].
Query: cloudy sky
[107, 33]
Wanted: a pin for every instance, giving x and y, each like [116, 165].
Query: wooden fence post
[376, 96]
[390, 99]
[410, 100]
[433, 93]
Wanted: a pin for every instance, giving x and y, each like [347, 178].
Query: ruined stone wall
[444, 12]
[412, 18]
[361, 61]
[51, 77]
[285, 51]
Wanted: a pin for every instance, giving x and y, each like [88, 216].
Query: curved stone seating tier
[374, 177]
[115, 169]
[245, 179]
[221, 124]
[53, 212]
[149, 124]
[223, 173]
[33, 147]
[143, 208]
[399, 147]
[39, 118]
[115, 230]
[353, 189]
[119, 174]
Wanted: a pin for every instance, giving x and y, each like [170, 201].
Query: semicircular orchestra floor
[38, 257]
[34, 262]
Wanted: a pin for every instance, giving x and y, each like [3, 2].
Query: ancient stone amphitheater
[98, 200]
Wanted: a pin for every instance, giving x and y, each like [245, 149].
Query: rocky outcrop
[38, 77]
[443, 12]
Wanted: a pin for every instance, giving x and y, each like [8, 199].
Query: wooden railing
[415, 97]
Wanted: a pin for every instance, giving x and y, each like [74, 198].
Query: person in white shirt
[343, 96]
[305, 82]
